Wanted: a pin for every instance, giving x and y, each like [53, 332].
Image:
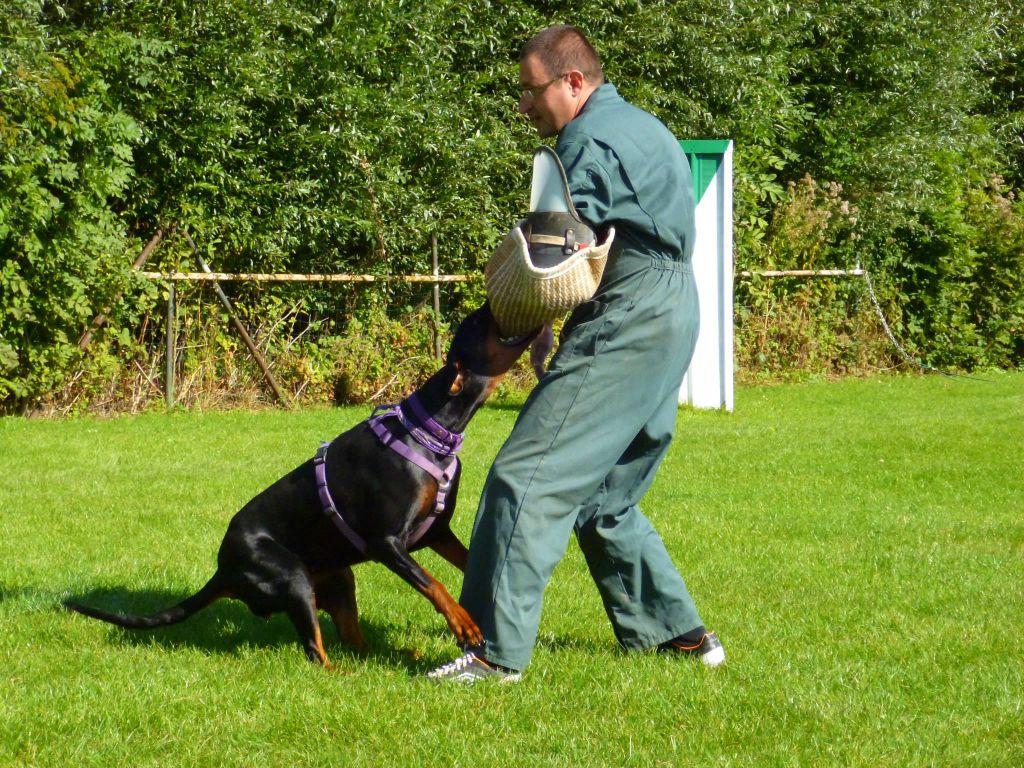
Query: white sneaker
[470, 668]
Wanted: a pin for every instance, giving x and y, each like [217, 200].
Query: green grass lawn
[858, 546]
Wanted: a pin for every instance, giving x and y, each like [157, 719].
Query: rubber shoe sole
[709, 650]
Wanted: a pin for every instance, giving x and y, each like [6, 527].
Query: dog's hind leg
[303, 615]
[336, 594]
[275, 580]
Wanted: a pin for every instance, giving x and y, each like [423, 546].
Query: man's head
[558, 70]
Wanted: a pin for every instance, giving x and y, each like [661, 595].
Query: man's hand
[541, 348]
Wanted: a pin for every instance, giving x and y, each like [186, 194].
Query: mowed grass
[858, 545]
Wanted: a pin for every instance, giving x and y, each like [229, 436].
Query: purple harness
[425, 431]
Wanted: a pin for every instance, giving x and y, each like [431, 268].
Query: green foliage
[382, 359]
[798, 328]
[962, 291]
[312, 136]
[1003, 103]
[65, 159]
[895, 91]
[297, 136]
[996, 217]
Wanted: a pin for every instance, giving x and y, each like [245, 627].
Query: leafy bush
[339, 137]
[795, 327]
[962, 300]
[65, 158]
[383, 358]
[996, 216]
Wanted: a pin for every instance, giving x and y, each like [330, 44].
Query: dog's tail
[210, 593]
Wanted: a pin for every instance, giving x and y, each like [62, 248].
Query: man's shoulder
[607, 112]
[615, 126]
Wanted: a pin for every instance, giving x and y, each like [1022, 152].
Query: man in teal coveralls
[591, 435]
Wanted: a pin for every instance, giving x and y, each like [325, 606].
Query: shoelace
[454, 666]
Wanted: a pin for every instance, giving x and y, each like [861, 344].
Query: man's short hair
[562, 48]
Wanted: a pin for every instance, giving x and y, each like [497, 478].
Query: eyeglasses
[533, 91]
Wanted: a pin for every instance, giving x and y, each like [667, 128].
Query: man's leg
[557, 454]
[609, 377]
[644, 596]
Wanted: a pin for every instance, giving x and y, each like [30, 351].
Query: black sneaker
[470, 668]
[708, 648]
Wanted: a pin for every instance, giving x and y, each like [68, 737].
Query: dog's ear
[458, 381]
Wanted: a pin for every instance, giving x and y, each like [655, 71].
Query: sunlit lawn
[858, 545]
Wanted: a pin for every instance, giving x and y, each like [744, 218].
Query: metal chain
[899, 347]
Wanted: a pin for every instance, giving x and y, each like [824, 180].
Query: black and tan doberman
[370, 494]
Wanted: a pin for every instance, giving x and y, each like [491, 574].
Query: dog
[370, 494]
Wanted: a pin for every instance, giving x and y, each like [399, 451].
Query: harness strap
[431, 435]
[392, 441]
[442, 473]
[320, 463]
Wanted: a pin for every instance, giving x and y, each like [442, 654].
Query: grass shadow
[32, 598]
[574, 643]
[228, 626]
[420, 664]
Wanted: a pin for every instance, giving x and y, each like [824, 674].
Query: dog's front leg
[392, 553]
[448, 546]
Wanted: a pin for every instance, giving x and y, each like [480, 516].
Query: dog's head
[477, 349]
[477, 360]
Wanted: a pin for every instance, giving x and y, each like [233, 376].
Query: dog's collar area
[425, 434]
[424, 428]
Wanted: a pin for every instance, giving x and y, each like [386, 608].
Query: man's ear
[576, 80]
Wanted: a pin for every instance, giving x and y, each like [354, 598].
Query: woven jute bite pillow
[523, 297]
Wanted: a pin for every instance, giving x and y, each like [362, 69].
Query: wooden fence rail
[285, 278]
[436, 279]
[258, 277]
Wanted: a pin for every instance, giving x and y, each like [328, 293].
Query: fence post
[239, 327]
[437, 296]
[171, 333]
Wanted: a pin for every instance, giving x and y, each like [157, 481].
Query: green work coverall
[590, 437]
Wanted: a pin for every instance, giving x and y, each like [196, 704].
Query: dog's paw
[464, 628]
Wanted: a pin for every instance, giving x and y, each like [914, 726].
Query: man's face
[552, 103]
